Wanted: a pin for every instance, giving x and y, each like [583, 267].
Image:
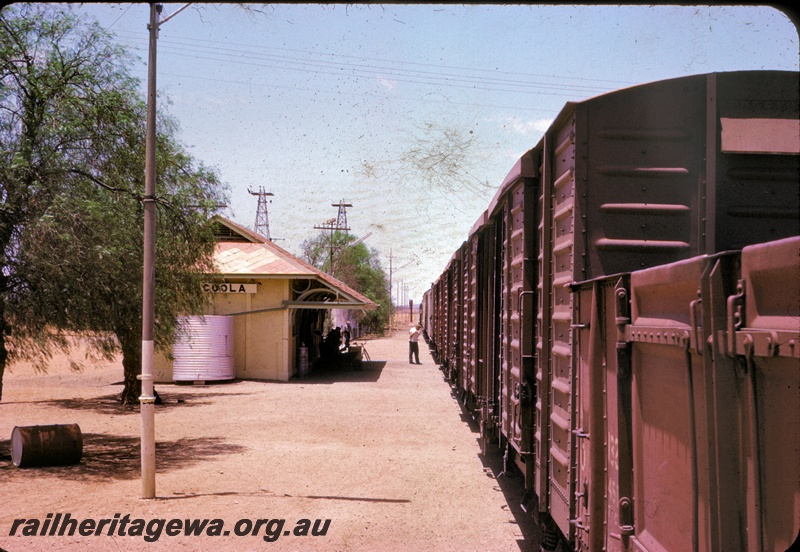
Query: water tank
[203, 349]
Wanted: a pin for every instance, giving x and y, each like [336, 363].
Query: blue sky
[319, 103]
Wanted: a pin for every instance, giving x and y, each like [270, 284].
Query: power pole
[147, 398]
[341, 218]
[329, 224]
[391, 301]
[262, 215]
[339, 224]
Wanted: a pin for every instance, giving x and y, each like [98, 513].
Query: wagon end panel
[673, 465]
[465, 322]
[448, 335]
[542, 408]
[766, 328]
[454, 319]
[469, 380]
[753, 158]
[602, 509]
[556, 271]
[486, 375]
[725, 389]
[644, 175]
[460, 309]
[437, 318]
[518, 322]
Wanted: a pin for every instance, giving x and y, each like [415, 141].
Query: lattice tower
[262, 213]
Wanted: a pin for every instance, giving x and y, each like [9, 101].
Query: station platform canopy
[242, 255]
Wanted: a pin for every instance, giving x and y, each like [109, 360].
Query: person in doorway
[413, 344]
[335, 337]
[346, 336]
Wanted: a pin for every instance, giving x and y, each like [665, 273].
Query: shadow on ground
[511, 483]
[370, 372]
[111, 405]
[118, 457]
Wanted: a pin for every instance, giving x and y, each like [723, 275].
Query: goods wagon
[589, 268]
[686, 431]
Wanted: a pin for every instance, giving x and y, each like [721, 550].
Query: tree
[73, 133]
[357, 266]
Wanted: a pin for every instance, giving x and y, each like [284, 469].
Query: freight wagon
[624, 318]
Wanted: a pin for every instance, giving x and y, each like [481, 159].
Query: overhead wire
[196, 50]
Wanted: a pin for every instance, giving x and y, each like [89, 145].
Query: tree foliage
[72, 137]
[358, 267]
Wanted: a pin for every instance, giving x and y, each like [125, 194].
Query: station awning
[244, 255]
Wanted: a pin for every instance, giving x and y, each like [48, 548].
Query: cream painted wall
[262, 341]
[162, 368]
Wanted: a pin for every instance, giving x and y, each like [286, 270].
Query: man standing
[413, 343]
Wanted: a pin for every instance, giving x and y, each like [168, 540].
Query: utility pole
[400, 296]
[339, 224]
[147, 398]
[329, 224]
[262, 216]
[391, 301]
[341, 218]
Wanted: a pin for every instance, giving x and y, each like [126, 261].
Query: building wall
[262, 341]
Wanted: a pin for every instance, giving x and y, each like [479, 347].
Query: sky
[327, 103]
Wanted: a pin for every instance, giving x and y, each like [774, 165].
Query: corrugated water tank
[203, 350]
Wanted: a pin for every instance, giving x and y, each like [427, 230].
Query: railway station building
[266, 315]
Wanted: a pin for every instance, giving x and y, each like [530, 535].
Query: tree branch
[102, 184]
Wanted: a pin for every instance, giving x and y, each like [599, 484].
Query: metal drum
[46, 445]
[203, 350]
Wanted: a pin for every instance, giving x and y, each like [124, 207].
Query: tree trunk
[132, 367]
[3, 358]
[3, 332]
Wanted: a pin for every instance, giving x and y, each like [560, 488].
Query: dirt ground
[386, 454]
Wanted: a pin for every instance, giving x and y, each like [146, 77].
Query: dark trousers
[413, 350]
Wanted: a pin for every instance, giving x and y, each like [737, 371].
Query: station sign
[227, 287]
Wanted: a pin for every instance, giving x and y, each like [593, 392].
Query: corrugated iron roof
[256, 257]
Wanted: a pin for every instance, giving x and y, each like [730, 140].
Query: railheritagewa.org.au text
[61, 525]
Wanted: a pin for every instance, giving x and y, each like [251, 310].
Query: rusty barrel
[46, 445]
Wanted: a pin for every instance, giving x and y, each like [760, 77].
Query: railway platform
[385, 453]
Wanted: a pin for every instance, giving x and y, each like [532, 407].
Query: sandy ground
[386, 454]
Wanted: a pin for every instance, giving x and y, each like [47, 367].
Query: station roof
[241, 253]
